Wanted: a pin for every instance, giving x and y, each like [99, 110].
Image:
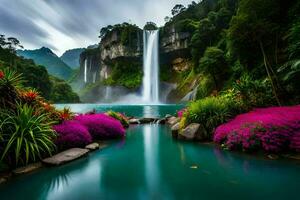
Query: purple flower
[273, 129]
[72, 134]
[101, 126]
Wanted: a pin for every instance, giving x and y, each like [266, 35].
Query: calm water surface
[129, 110]
[148, 164]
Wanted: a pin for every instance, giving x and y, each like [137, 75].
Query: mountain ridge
[46, 57]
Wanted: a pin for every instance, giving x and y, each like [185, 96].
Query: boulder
[66, 156]
[175, 130]
[27, 169]
[193, 131]
[173, 120]
[147, 120]
[2, 180]
[92, 147]
[134, 121]
[168, 116]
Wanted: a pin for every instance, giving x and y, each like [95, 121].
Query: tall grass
[210, 112]
[25, 135]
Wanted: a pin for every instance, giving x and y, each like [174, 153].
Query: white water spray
[85, 70]
[150, 90]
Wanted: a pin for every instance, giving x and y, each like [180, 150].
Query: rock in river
[175, 130]
[93, 146]
[28, 168]
[172, 121]
[66, 156]
[193, 131]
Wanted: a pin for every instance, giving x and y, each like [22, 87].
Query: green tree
[214, 63]
[202, 38]
[253, 33]
[178, 8]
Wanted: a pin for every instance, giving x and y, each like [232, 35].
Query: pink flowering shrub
[101, 126]
[181, 112]
[72, 134]
[273, 129]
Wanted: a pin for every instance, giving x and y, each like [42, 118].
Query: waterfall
[85, 70]
[150, 90]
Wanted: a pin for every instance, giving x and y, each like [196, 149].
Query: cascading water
[85, 70]
[150, 90]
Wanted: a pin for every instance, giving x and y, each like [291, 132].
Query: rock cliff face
[174, 49]
[90, 66]
[172, 41]
[112, 47]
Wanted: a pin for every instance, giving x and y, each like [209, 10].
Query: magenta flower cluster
[72, 134]
[273, 129]
[84, 128]
[101, 126]
[181, 112]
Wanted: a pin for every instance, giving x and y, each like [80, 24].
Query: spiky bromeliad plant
[10, 83]
[25, 135]
[118, 116]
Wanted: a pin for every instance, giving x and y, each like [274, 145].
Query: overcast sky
[66, 24]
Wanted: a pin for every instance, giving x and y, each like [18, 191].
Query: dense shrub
[25, 135]
[126, 73]
[72, 134]
[118, 116]
[10, 83]
[101, 126]
[250, 93]
[273, 129]
[210, 112]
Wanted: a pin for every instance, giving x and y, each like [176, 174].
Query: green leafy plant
[118, 116]
[25, 135]
[250, 93]
[210, 112]
[10, 83]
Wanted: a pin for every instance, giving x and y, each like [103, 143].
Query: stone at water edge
[168, 116]
[193, 131]
[147, 120]
[173, 120]
[66, 156]
[134, 121]
[93, 146]
[28, 168]
[175, 130]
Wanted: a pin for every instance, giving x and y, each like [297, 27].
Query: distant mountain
[44, 56]
[71, 57]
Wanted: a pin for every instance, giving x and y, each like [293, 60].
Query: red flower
[30, 95]
[64, 116]
[1, 74]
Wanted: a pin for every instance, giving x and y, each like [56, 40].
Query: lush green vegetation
[127, 32]
[26, 120]
[246, 53]
[44, 56]
[25, 136]
[31, 128]
[62, 92]
[126, 73]
[34, 76]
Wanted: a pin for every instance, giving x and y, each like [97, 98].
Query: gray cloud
[65, 24]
